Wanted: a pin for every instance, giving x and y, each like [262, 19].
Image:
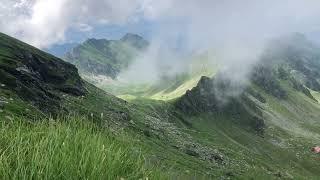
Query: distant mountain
[106, 57]
[59, 50]
[135, 41]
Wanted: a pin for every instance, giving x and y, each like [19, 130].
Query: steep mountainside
[35, 76]
[106, 57]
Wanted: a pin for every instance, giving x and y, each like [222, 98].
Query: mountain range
[265, 131]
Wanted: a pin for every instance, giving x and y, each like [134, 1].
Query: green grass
[67, 148]
[315, 94]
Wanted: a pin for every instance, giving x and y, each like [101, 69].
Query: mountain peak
[135, 40]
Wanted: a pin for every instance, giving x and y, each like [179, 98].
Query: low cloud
[234, 31]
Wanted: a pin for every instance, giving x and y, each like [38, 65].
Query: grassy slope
[68, 148]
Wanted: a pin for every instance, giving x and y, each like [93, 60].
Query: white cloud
[44, 22]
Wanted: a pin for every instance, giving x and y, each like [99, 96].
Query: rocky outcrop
[35, 76]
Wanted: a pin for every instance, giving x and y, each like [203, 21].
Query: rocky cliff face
[35, 76]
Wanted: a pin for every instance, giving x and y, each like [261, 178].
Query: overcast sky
[198, 22]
